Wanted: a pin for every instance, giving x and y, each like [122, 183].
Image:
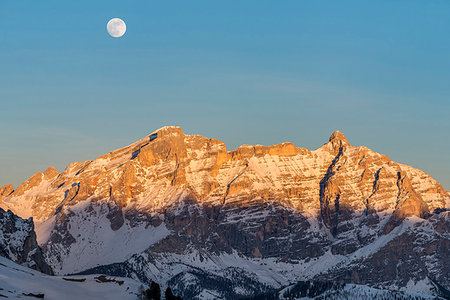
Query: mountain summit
[172, 204]
[168, 165]
[338, 136]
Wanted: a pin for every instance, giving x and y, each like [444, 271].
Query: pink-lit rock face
[6, 190]
[172, 199]
[149, 175]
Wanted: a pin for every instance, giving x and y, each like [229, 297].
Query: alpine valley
[257, 222]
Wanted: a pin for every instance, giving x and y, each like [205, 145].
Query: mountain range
[183, 211]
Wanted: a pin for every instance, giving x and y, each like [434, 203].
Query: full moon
[116, 27]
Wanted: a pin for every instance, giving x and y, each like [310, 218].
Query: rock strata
[172, 204]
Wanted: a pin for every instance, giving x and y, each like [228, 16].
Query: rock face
[6, 190]
[18, 242]
[181, 208]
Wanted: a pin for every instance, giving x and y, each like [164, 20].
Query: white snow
[16, 280]
[97, 244]
[43, 229]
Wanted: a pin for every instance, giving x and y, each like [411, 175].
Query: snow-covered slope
[334, 291]
[181, 209]
[17, 281]
[96, 243]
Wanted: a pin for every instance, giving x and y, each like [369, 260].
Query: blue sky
[253, 72]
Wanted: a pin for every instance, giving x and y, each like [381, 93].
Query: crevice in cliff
[83, 168]
[233, 180]
[136, 152]
[395, 219]
[375, 187]
[401, 196]
[168, 154]
[336, 215]
[68, 196]
[324, 197]
[172, 182]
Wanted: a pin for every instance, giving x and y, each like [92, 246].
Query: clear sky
[245, 72]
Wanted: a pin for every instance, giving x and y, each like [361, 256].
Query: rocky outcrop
[267, 241]
[172, 202]
[6, 190]
[415, 251]
[18, 242]
[149, 174]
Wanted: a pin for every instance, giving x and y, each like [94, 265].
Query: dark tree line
[326, 290]
[154, 293]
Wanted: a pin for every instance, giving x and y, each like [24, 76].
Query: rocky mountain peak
[169, 130]
[337, 143]
[338, 136]
[50, 173]
[6, 190]
[167, 164]
[171, 192]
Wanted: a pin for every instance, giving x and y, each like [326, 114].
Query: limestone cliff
[172, 204]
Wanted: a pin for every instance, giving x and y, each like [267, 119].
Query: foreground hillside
[17, 281]
[183, 211]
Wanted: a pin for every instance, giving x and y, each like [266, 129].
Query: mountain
[18, 242]
[183, 211]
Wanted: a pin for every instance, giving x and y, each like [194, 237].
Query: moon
[116, 27]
